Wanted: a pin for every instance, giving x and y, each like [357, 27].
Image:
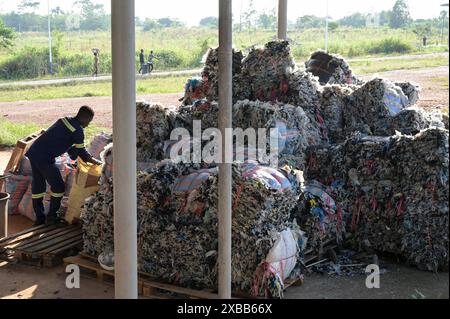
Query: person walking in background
[142, 61]
[151, 56]
[96, 62]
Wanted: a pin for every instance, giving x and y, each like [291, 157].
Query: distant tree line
[88, 16]
[396, 18]
[153, 24]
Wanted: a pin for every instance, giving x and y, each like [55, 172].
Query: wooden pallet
[43, 245]
[19, 152]
[147, 286]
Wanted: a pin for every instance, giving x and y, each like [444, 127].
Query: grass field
[87, 89]
[11, 132]
[183, 48]
[442, 81]
[176, 84]
[369, 67]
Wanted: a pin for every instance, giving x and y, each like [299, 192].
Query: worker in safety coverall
[66, 135]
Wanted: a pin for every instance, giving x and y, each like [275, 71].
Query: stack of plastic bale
[330, 68]
[423, 164]
[178, 240]
[201, 110]
[304, 90]
[331, 106]
[347, 109]
[154, 124]
[207, 86]
[411, 90]
[296, 132]
[210, 74]
[369, 108]
[412, 120]
[97, 213]
[177, 225]
[266, 72]
[445, 120]
[320, 217]
[395, 190]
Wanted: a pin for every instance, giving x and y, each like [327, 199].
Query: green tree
[249, 16]
[400, 16]
[169, 23]
[356, 20]
[26, 10]
[28, 6]
[138, 22]
[443, 19]
[333, 26]
[422, 31]
[309, 22]
[150, 24]
[93, 16]
[267, 20]
[209, 22]
[57, 11]
[6, 36]
[385, 17]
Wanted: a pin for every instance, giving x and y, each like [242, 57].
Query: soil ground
[20, 281]
[45, 112]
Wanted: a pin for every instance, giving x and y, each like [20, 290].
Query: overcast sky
[191, 11]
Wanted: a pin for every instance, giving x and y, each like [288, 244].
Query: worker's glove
[96, 161]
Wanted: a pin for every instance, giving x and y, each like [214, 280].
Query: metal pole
[326, 30]
[49, 38]
[225, 126]
[282, 19]
[448, 37]
[124, 132]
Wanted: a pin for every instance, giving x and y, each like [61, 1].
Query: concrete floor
[399, 282]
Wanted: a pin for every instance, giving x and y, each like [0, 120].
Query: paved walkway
[102, 78]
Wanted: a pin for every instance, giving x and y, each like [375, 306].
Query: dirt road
[434, 93]
[44, 112]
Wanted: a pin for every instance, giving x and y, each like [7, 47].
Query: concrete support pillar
[225, 124]
[282, 19]
[124, 134]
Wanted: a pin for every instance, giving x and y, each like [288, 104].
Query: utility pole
[49, 39]
[240, 16]
[326, 29]
[282, 19]
[442, 33]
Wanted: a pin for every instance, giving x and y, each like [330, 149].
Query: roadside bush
[28, 63]
[168, 59]
[389, 46]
